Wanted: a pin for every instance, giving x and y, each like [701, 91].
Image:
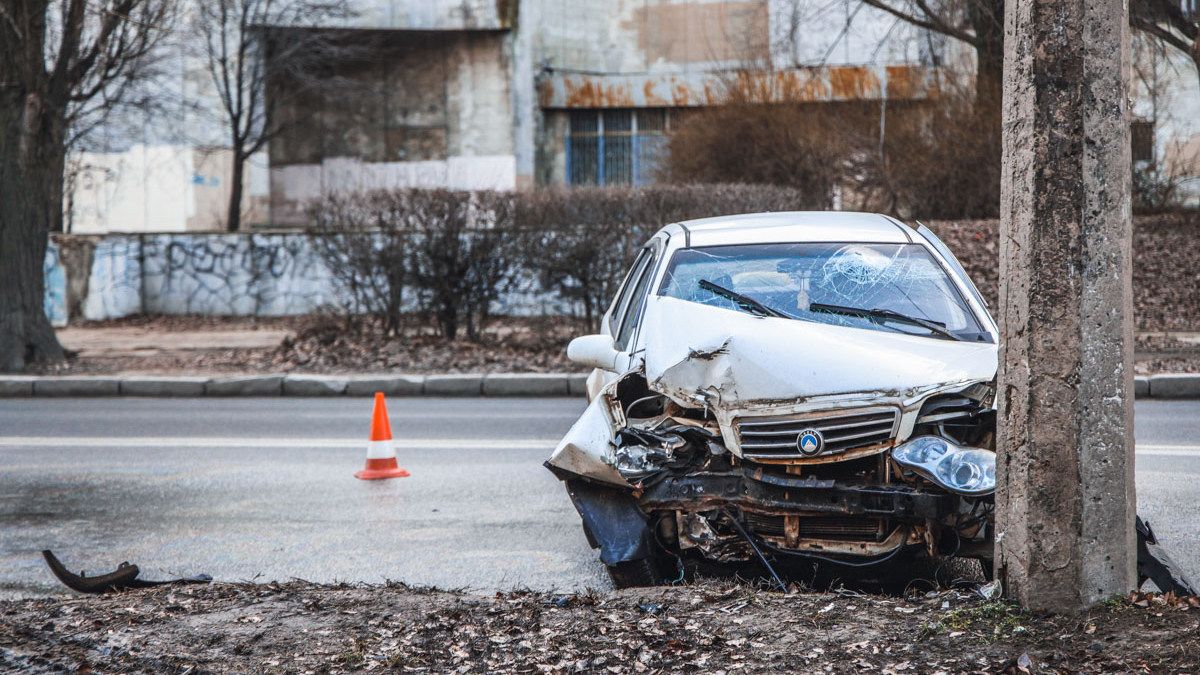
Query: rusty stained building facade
[506, 94]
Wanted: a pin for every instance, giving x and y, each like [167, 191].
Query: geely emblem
[810, 442]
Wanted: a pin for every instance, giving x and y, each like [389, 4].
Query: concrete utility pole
[1065, 504]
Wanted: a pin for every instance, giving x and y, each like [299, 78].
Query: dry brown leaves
[707, 627]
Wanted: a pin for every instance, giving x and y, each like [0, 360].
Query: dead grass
[707, 627]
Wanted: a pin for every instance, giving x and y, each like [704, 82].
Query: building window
[1141, 138]
[615, 147]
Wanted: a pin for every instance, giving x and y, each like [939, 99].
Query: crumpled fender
[583, 450]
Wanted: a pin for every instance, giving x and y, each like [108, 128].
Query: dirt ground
[307, 344]
[187, 345]
[708, 627]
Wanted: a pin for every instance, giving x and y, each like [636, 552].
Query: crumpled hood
[727, 358]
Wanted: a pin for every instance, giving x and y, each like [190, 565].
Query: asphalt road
[261, 489]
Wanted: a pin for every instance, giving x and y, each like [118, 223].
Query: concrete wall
[55, 303]
[159, 187]
[428, 14]
[164, 273]
[432, 110]
[1166, 91]
[275, 274]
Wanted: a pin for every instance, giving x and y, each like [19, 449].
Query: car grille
[775, 438]
[842, 528]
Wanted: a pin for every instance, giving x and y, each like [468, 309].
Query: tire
[635, 573]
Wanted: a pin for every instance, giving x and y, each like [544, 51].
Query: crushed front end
[846, 480]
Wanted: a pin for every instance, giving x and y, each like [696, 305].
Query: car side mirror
[596, 351]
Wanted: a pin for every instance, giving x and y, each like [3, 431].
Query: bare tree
[1175, 23]
[980, 23]
[57, 59]
[250, 45]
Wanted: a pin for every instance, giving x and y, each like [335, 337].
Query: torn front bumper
[773, 493]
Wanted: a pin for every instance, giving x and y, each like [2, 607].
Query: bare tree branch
[927, 19]
[250, 45]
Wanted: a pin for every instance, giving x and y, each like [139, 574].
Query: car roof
[791, 226]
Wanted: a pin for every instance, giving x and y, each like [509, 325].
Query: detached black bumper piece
[1154, 564]
[125, 576]
[612, 522]
[756, 488]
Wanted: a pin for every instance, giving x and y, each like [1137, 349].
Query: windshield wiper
[887, 315]
[745, 302]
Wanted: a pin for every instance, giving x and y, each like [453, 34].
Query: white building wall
[158, 188]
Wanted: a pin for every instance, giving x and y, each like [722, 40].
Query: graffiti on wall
[241, 275]
[114, 286]
[221, 275]
[55, 276]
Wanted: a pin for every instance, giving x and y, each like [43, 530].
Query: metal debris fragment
[124, 577]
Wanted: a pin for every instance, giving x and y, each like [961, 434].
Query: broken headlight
[966, 471]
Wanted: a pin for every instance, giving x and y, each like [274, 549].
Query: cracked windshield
[890, 287]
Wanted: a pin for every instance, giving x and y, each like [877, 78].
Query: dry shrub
[453, 250]
[463, 254]
[578, 245]
[452, 256]
[580, 242]
[364, 248]
[804, 147]
[938, 158]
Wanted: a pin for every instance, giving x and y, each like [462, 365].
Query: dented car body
[811, 386]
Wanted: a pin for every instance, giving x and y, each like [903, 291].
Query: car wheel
[635, 573]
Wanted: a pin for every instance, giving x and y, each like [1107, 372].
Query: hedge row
[451, 255]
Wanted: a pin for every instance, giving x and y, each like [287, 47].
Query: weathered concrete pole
[1065, 505]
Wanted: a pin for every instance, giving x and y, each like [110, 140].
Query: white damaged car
[813, 386]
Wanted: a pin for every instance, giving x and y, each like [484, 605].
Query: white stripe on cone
[380, 449]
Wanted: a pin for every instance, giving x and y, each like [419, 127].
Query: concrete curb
[453, 385]
[1166, 386]
[1176, 385]
[76, 386]
[390, 385]
[521, 384]
[313, 385]
[251, 385]
[450, 384]
[163, 386]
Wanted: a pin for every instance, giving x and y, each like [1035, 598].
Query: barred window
[615, 147]
[1141, 138]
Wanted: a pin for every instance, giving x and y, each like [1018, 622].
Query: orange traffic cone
[381, 454]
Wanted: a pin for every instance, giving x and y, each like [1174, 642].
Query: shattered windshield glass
[889, 287]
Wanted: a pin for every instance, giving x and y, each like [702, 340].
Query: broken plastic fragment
[991, 590]
[125, 576]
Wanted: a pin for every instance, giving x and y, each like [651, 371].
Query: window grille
[1141, 138]
[615, 147]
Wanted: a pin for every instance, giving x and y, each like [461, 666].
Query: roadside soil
[308, 344]
[185, 345]
[706, 627]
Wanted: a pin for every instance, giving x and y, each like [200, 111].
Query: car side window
[626, 291]
[633, 309]
[941, 247]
